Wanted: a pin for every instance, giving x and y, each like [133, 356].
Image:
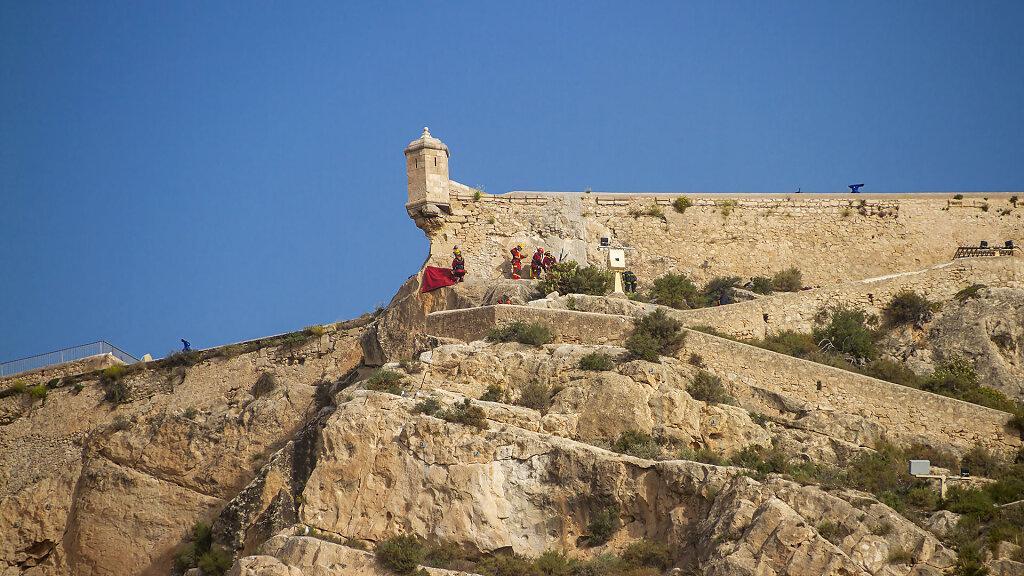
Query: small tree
[603, 525]
[719, 290]
[761, 285]
[788, 280]
[907, 307]
[847, 329]
[655, 334]
[675, 290]
[569, 278]
[596, 361]
[707, 387]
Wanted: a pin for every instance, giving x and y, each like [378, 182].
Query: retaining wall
[775, 384]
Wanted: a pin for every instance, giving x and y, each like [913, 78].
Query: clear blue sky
[224, 171]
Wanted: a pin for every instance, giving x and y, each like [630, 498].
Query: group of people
[542, 261]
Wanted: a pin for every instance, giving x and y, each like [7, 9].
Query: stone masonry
[831, 238]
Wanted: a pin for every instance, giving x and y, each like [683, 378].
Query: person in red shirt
[517, 261]
[548, 261]
[537, 264]
[458, 266]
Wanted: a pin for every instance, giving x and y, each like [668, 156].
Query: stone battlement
[831, 238]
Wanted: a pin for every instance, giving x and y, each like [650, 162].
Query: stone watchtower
[426, 165]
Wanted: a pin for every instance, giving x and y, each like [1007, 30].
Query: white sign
[617, 259]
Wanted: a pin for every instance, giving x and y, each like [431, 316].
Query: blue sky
[224, 171]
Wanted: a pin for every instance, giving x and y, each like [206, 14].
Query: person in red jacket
[537, 264]
[548, 261]
[458, 266]
[517, 261]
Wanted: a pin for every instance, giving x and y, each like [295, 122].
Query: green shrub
[788, 280]
[647, 553]
[430, 406]
[534, 334]
[969, 561]
[506, 565]
[762, 461]
[199, 546]
[893, 372]
[726, 206]
[402, 553]
[384, 380]
[828, 530]
[761, 285]
[354, 543]
[178, 358]
[676, 291]
[719, 290]
[494, 393]
[38, 391]
[117, 392]
[681, 204]
[970, 501]
[639, 444]
[18, 386]
[466, 414]
[555, 563]
[702, 455]
[264, 385]
[655, 334]
[907, 307]
[981, 462]
[215, 562]
[984, 207]
[569, 278]
[696, 360]
[1013, 200]
[847, 329]
[969, 292]
[790, 343]
[652, 210]
[707, 387]
[603, 525]
[114, 372]
[536, 396]
[597, 362]
[53, 383]
[958, 196]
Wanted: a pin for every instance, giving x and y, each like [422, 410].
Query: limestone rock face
[596, 405]
[987, 330]
[89, 488]
[383, 470]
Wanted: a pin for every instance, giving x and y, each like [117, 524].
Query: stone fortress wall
[831, 238]
[774, 384]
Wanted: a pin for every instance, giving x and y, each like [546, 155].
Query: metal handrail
[977, 251]
[65, 355]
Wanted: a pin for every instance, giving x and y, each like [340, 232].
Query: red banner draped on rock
[434, 278]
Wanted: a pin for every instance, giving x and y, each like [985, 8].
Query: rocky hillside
[301, 453]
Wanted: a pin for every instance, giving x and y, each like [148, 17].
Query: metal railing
[977, 251]
[65, 355]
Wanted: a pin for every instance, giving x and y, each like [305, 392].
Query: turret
[426, 165]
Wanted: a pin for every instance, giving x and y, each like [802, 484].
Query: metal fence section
[976, 251]
[65, 355]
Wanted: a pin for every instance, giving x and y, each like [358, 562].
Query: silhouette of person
[187, 345]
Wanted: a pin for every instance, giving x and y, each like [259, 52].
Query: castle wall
[830, 238]
[72, 368]
[776, 384]
[796, 310]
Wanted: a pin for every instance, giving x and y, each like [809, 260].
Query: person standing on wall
[517, 261]
[537, 264]
[186, 346]
[458, 266]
